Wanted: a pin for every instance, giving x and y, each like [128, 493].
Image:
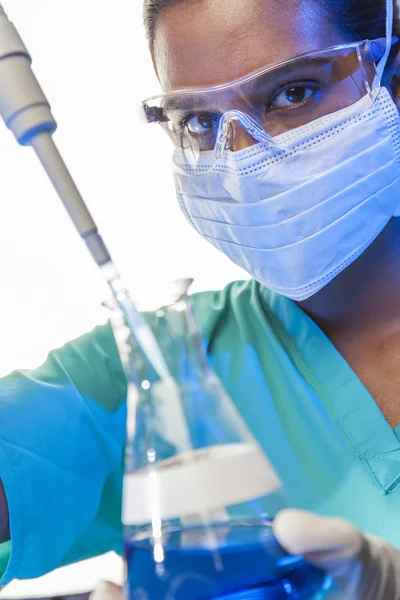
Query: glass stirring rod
[26, 111]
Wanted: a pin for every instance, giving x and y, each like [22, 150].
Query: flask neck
[178, 336]
[191, 360]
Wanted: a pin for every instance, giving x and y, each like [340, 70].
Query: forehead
[206, 42]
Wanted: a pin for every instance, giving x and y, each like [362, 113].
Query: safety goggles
[204, 122]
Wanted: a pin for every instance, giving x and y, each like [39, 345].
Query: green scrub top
[62, 430]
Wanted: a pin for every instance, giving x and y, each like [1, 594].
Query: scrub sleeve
[62, 432]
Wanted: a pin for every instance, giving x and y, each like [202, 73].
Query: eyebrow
[187, 102]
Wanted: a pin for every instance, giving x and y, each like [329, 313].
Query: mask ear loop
[389, 30]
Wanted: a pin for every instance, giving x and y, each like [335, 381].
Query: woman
[297, 217]
[290, 166]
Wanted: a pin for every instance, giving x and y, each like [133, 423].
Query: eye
[203, 123]
[292, 96]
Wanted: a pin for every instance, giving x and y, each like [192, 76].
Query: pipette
[27, 113]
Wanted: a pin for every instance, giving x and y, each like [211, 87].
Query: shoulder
[240, 305]
[91, 364]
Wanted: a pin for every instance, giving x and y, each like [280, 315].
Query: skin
[214, 41]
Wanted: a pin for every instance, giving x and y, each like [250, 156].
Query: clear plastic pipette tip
[135, 321]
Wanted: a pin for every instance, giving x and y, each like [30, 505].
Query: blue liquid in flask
[246, 563]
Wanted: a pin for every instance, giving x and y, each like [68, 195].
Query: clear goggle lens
[205, 122]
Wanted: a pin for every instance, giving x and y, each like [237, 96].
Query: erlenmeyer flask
[199, 494]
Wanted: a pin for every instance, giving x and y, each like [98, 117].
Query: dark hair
[366, 19]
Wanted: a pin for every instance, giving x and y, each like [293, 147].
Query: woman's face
[213, 41]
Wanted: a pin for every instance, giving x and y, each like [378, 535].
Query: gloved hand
[107, 591]
[364, 567]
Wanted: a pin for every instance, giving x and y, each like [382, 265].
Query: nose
[240, 138]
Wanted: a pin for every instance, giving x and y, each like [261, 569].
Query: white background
[91, 59]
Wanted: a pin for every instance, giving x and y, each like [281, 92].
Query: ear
[391, 79]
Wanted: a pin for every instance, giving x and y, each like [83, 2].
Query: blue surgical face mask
[296, 215]
[295, 218]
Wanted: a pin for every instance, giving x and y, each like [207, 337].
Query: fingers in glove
[332, 545]
[301, 532]
[107, 591]
[365, 567]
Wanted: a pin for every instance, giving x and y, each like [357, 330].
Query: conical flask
[199, 494]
